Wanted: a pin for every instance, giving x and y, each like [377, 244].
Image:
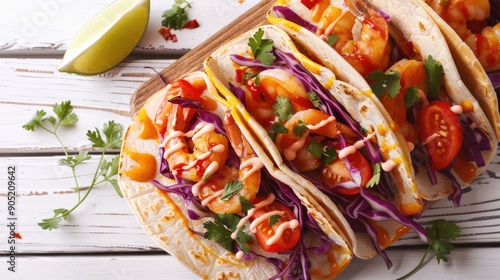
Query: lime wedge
[107, 39]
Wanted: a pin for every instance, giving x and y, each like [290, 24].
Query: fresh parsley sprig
[435, 75]
[176, 17]
[109, 137]
[439, 236]
[385, 83]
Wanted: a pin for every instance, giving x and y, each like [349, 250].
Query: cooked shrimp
[364, 44]
[195, 153]
[273, 83]
[248, 174]
[316, 122]
[412, 73]
[467, 18]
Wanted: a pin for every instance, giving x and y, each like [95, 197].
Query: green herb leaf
[332, 39]
[315, 148]
[176, 17]
[329, 155]
[64, 113]
[36, 121]
[245, 204]
[112, 136]
[435, 74]
[283, 108]
[230, 189]
[375, 179]
[411, 96]
[299, 129]
[53, 223]
[439, 236]
[385, 83]
[262, 48]
[313, 96]
[276, 128]
[274, 219]
[73, 161]
[220, 229]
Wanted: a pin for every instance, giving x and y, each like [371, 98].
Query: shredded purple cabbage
[290, 15]
[238, 92]
[186, 102]
[495, 81]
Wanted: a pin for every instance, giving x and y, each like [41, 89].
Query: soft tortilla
[426, 36]
[165, 219]
[219, 67]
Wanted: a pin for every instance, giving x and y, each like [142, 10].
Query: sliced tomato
[288, 238]
[309, 3]
[441, 131]
[337, 172]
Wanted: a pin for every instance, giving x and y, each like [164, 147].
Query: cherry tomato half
[288, 239]
[441, 130]
[336, 172]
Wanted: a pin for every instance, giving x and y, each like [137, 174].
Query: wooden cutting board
[193, 60]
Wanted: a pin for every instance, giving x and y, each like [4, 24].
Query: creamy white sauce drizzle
[430, 138]
[422, 97]
[240, 255]
[457, 109]
[255, 223]
[211, 169]
[291, 152]
[293, 224]
[410, 145]
[358, 145]
[212, 197]
[388, 165]
[255, 163]
[269, 199]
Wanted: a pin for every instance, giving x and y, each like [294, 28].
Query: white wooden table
[102, 239]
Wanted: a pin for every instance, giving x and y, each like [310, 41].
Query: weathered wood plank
[465, 263]
[46, 27]
[28, 85]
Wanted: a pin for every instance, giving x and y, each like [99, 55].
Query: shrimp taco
[396, 53]
[472, 31]
[208, 194]
[323, 133]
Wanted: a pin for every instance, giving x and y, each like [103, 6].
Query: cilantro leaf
[64, 112]
[274, 219]
[375, 179]
[245, 204]
[332, 39]
[276, 128]
[385, 83]
[435, 74]
[315, 148]
[283, 108]
[37, 120]
[73, 161]
[230, 189]
[262, 48]
[411, 96]
[176, 17]
[313, 96]
[113, 136]
[53, 223]
[439, 236]
[299, 129]
[329, 155]
[220, 229]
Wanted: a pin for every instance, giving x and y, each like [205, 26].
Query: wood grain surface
[193, 60]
